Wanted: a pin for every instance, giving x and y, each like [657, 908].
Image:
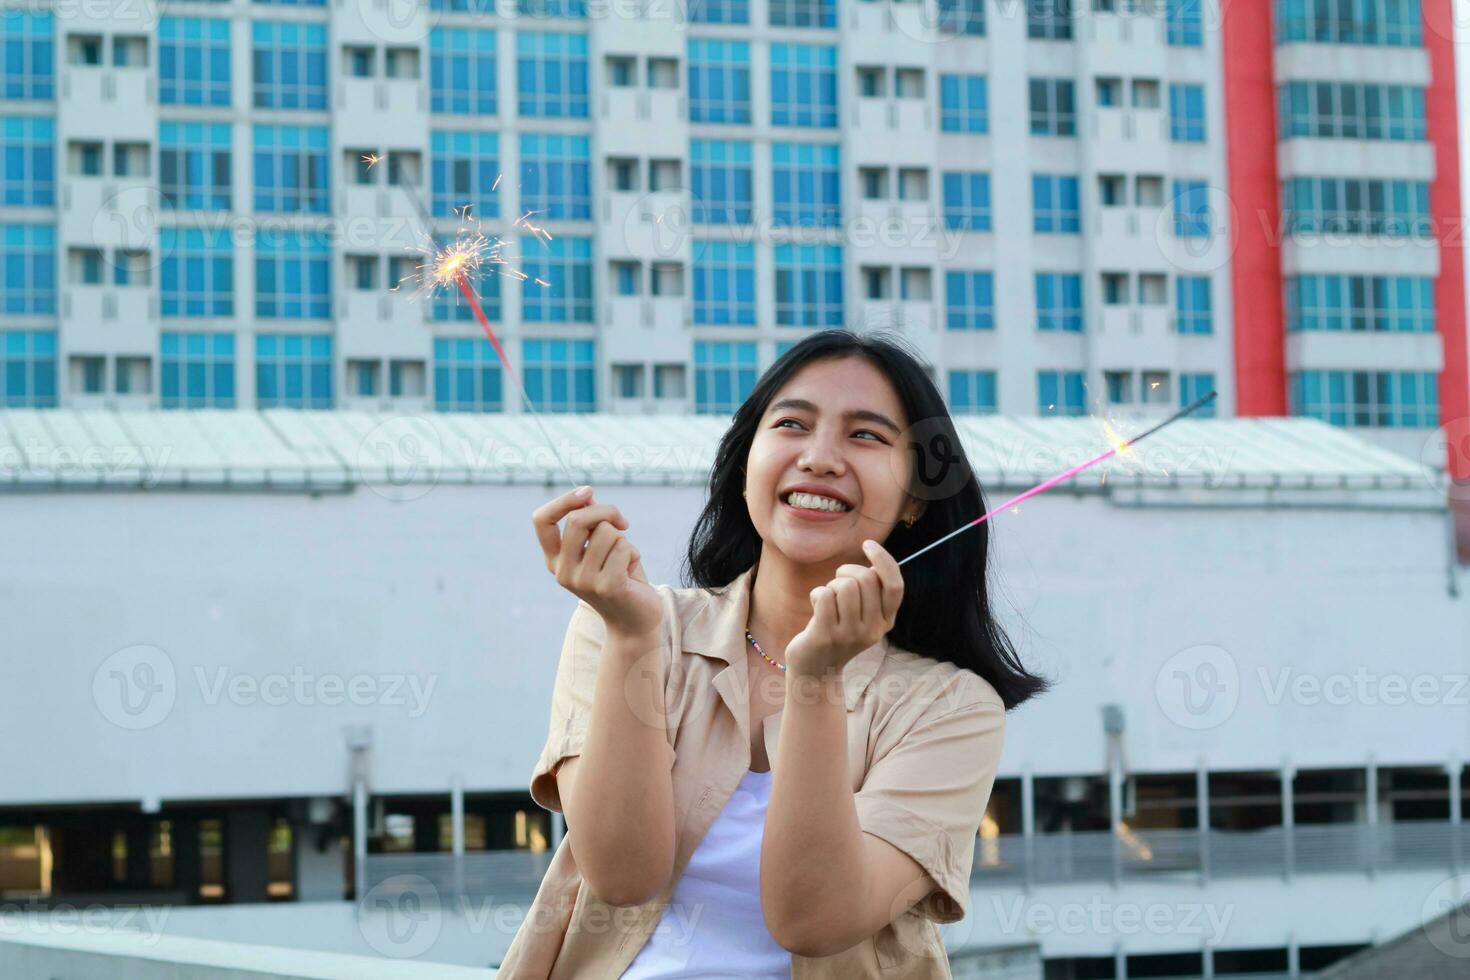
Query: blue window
[1192, 217]
[963, 104]
[1396, 23]
[809, 285]
[1049, 20]
[197, 277]
[291, 169]
[719, 81]
[806, 184]
[193, 61]
[28, 368]
[1192, 304]
[449, 305]
[196, 370]
[720, 182]
[466, 375]
[29, 150]
[555, 176]
[293, 275]
[1187, 113]
[561, 375]
[466, 169]
[293, 370]
[969, 300]
[551, 70]
[564, 265]
[802, 13]
[29, 256]
[1053, 106]
[1389, 399]
[967, 201]
[1352, 110]
[572, 9]
[719, 11]
[194, 165]
[462, 72]
[1360, 303]
[1357, 206]
[972, 392]
[1055, 206]
[1184, 23]
[724, 284]
[804, 85]
[290, 65]
[724, 374]
[29, 53]
[1059, 301]
[964, 17]
[1060, 393]
[1194, 386]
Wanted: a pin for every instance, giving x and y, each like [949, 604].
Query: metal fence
[1045, 859]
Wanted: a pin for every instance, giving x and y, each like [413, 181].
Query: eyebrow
[862, 414]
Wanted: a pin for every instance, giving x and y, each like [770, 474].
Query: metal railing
[1275, 851]
[1045, 859]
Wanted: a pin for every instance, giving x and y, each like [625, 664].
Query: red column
[1255, 271]
[1444, 203]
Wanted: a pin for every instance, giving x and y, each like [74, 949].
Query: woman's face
[825, 467]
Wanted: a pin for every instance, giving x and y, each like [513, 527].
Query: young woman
[779, 770]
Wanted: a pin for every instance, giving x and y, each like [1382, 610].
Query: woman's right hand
[594, 561]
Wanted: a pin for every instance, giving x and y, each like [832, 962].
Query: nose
[823, 455]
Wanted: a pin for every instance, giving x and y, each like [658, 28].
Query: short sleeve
[926, 795]
[571, 702]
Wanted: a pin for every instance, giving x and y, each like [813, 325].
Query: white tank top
[712, 926]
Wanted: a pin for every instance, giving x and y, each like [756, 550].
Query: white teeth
[811, 501]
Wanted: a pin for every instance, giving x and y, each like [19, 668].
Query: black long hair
[946, 613]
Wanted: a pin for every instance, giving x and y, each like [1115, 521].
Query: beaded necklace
[762, 652]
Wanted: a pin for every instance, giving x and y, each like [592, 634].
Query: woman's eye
[859, 432]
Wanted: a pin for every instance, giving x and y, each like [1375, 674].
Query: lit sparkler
[1120, 446]
[452, 265]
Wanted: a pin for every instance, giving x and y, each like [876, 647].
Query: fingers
[869, 590]
[849, 592]
[580, 525]
[890, 577]
[824, 610]
[544, 519]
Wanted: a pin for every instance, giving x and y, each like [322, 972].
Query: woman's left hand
[849, 614]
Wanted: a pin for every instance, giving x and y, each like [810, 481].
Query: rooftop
[323, 451]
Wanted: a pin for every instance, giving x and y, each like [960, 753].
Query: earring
[909, 521]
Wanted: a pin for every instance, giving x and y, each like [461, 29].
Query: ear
[918, 506]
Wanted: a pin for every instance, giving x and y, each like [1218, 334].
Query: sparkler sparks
[1120, 446]
[455, 264]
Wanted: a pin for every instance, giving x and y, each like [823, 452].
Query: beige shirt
[923, 744]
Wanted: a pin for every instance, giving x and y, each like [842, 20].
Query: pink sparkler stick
[469, 294]
[1060, 477]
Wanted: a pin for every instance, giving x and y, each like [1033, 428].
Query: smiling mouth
[812, 501]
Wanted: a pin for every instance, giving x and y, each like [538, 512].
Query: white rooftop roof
[289, 449]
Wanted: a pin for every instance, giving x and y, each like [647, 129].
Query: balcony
[1052, 859]
[109, 103]
[110, 319]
